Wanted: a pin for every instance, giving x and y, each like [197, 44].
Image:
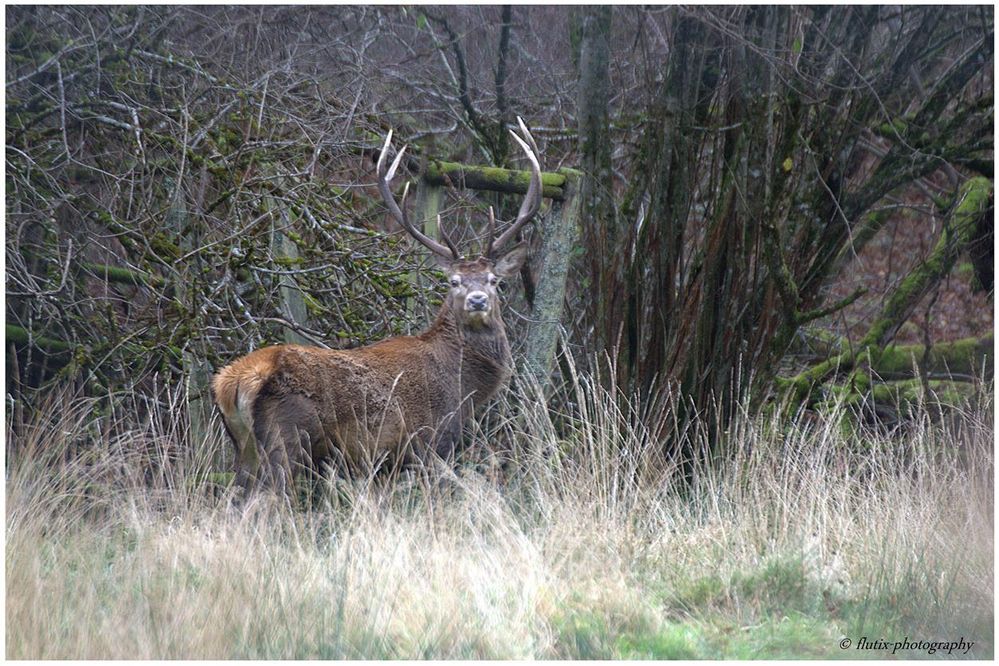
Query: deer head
[473, 296]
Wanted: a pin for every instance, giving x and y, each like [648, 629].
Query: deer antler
[532, 201]
[399, 212]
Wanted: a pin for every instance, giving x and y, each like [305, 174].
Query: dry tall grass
[587, 547]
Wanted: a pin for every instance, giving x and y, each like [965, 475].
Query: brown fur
[289, 407]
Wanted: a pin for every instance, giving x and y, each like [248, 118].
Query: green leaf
[421, 22]
[796, 45]
[787, 164]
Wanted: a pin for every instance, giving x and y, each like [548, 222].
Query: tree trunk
[292, 301]
[600, 232]
[558, 234]
[197, 373]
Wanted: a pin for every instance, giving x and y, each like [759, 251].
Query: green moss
[19, 336]
[893, 129]
[288, 262]
[965, 356]
[123, 275]
[492, 178]
[965, 270]
[906, 398]
[164, 248]
[314, 307]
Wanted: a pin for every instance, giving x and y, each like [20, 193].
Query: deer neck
[480, 353]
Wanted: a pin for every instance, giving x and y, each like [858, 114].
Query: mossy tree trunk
[490, 179]
[291, 302]
[558, 234]
[427, 207]
[968, 357]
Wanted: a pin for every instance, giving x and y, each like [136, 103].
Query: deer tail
[235, 388]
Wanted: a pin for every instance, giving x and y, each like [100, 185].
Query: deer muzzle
[477, 301]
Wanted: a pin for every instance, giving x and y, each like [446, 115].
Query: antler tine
[447, 239]
[532, 200]
[527, 134]
[491, 233]
[399, 213]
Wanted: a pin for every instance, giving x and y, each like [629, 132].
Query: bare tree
[168, 201]
[772, 151]
[598, 221]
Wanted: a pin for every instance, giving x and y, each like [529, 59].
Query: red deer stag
[288, 407]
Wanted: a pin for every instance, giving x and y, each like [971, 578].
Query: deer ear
[511, 262]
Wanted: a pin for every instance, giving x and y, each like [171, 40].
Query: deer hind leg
[288, 430]
[271, 446]
[238, 421]
[247, 465]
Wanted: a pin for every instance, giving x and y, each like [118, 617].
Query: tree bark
[558, 234]
[597, 215]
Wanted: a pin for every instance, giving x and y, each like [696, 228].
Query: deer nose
[476, 301]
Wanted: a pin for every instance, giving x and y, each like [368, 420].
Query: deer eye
[455, 281]
[493, 280]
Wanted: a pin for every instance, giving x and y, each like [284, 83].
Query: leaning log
[493, 179]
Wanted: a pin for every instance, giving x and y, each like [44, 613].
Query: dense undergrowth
[583, 544]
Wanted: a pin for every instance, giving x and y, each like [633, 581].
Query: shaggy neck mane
[482, 353]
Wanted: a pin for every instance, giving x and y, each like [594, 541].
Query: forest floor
[810, 540]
